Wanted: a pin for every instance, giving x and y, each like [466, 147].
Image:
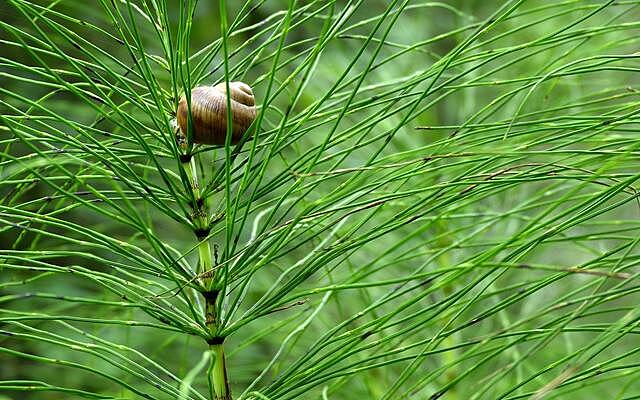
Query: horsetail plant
[425, 199]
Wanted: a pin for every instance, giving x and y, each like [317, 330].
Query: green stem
[206, 264]
[217, 374]
[218, 381]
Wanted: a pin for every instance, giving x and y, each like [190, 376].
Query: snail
[209, 112]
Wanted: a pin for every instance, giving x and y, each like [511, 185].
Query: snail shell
[209, 112]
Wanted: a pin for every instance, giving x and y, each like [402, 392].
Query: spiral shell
[209, 112]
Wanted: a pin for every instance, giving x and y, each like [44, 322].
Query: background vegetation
[438, 200]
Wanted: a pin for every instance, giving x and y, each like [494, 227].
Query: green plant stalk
[217, 373]
[205, 269]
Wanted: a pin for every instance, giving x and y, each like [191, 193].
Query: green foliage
[437, 200]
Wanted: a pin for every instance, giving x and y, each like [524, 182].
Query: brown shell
[209, 112]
